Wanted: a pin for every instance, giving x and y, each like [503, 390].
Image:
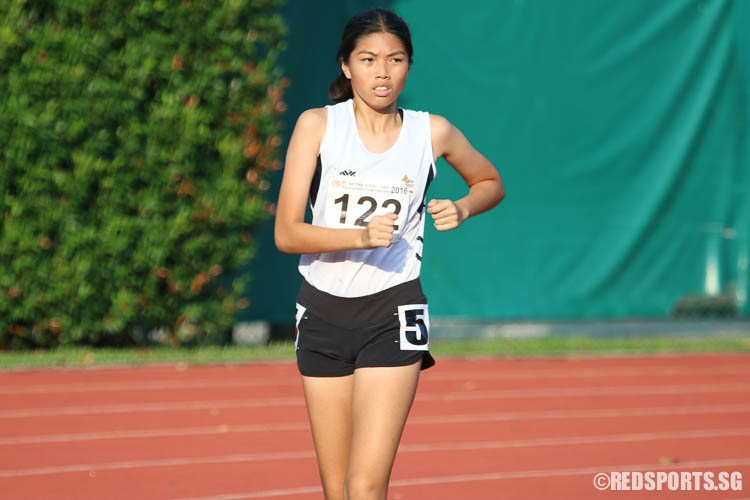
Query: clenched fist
[445, 214]
[379, 231]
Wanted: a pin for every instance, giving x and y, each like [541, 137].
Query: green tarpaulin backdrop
[621, 133]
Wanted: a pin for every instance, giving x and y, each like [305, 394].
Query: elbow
[500, 194]
[281, 240]
[282, 245]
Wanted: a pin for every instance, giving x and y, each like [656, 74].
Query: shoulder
[441, 131]
[311, 127]
[440, 126]
[313, 118]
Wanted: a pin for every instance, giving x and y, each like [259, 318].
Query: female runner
[364, 164]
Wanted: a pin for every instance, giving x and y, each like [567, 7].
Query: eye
[367, 59]
[397, 59]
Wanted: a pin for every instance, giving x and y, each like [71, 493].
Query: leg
[329, 407]
[381, 402]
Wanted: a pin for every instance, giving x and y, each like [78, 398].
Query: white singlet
[352, 184]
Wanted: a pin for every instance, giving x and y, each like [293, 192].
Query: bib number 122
[371, 204]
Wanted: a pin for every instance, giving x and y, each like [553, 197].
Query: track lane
[503, 417]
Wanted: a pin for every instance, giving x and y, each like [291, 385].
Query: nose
[382, 70]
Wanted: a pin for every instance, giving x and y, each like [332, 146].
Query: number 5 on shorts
[415, 327]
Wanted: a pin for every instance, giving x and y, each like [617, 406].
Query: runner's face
[378, 67]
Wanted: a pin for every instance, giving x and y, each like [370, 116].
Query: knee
[333, 491]
[363, 486]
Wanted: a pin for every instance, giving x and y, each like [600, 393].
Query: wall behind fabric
[621, 134]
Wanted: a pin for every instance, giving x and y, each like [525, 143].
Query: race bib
[352, 203]
[415, 327]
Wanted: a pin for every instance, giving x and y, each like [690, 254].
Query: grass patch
[528, 347]
[89, 356]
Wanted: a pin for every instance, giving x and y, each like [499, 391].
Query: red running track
[479, 429]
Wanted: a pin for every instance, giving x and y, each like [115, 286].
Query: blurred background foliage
[137, 139]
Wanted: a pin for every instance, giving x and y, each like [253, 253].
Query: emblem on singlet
[409, 183]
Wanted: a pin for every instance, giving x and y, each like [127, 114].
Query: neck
[376, 119]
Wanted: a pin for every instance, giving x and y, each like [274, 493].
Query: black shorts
[337, 335]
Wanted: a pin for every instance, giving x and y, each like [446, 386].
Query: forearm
[301, 237]
[482, 196]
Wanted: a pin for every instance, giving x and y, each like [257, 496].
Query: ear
[345, 69]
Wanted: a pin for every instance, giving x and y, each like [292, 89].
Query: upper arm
[448, 142]
[300, 164]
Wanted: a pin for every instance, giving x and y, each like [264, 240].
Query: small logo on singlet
[409, 183]
[350, 173]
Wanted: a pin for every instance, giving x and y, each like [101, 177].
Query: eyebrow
[363, 51]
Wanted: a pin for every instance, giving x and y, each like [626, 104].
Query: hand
[446, 214]
[379, 231]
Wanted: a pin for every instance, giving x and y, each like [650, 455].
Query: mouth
[381, 91]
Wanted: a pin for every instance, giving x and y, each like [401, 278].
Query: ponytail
[341, 89]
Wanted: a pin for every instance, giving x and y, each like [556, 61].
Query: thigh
[329, 406]
[381, 402]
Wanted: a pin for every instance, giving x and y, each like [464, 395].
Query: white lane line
[152, 433]
[151, 407]
[495, 476]
[505, 374]
[426, 396]
[415, 420]
[149, 385]
[577, 440]
[167, 462]
[305, 490]
[410, 448]
[593, 413]
[513, 373]
[586, 391]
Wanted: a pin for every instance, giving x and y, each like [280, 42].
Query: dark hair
[366, 23]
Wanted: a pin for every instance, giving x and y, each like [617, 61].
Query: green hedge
[136, 141]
